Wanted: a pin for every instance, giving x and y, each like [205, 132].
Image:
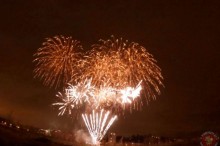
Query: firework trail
[57, 61]
[98, 124]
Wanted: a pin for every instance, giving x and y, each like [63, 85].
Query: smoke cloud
[82, 137]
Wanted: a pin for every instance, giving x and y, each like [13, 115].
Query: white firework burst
[74, 96]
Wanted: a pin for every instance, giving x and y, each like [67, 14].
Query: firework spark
[57, 60]
[98, 124]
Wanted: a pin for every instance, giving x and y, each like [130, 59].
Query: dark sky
[182, 35]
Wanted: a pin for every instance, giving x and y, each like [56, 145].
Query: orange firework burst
[123, 64]
[142, 66]
[57, 60]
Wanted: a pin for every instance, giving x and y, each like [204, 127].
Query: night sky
[182, 35]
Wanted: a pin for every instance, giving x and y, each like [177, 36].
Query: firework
[105, 80]
[98, 124]
[122, 65]
[106, 97]
[142, 66]
[66, 104]
[129, 94]
[57, 61]
[115, 99]
[74, 96]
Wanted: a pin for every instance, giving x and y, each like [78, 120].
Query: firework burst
[122, 65]
[142, 66]
[57, 61]
[74, 97]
